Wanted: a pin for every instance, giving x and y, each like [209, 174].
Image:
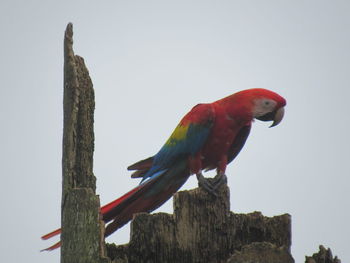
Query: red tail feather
[104, 210]
[109, 206]
[144, 198]
[51, 234]
[57, 245]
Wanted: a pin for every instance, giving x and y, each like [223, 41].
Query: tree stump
[202, 229]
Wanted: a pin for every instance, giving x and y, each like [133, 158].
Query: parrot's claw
[220, 179]
[211, 185]
[205, 184]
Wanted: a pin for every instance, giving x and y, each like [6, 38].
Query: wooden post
[202, 229]
[82, 230]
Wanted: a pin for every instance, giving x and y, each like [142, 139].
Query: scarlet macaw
[208, 137]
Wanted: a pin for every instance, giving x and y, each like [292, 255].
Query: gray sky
[150, 62]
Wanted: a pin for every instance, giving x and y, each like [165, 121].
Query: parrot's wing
[186, 140]
[238, 143]
[141, 167]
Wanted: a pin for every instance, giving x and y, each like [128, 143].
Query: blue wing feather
[188, 144]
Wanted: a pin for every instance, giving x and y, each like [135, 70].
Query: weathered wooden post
[82, 229]
[202, 229]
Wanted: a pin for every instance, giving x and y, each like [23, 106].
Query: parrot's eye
[263, 106]
[268, 104]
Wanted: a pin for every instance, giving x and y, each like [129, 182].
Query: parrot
[208, 137]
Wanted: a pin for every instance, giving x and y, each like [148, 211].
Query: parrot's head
[267, 106]
[260, 104]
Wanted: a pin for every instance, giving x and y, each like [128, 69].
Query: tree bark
[82, 229]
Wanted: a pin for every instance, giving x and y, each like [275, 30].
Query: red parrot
[208, 137]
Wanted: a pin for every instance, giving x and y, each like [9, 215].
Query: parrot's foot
[220, 179]
[211, 184]
[206, 184]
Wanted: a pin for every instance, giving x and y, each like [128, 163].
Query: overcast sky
[150, 62]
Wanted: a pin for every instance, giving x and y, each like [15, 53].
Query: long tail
[146, 197]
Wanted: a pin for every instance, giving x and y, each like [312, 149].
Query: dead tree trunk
[82, 229]
[202, 229]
